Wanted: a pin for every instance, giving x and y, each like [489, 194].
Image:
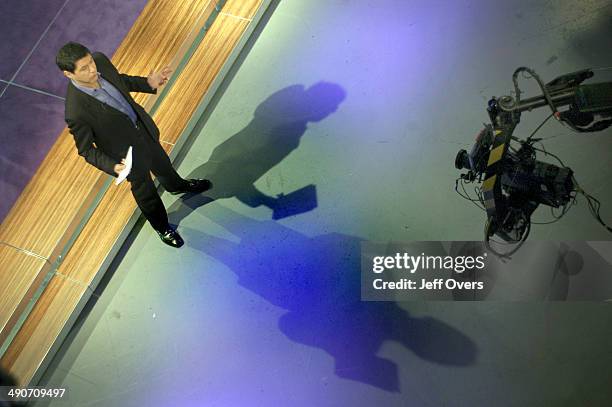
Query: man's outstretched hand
[157, 79]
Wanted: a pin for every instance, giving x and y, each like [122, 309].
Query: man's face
[85, 71]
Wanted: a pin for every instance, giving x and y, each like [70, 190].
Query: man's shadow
[275, 131]
[317, 281]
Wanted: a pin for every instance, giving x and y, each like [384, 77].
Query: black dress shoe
[171, 237]
[194, 186]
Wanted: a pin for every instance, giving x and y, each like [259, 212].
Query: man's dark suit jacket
[91, 121]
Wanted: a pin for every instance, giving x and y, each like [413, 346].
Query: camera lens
[462, 161]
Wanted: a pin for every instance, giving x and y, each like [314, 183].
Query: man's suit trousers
[149, 156]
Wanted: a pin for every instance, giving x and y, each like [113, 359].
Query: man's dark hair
[68, 55]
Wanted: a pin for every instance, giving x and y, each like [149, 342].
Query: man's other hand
[157, 79]
[119, 167]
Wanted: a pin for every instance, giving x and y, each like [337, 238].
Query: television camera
[511, 181]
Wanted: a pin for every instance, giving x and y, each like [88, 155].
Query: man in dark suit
[105, 121]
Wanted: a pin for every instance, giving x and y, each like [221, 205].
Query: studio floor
[340, 125]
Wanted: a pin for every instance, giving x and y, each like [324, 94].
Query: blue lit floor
[354, 111]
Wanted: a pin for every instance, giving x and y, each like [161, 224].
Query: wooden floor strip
[13, 302]
[38, 336]
[244, 9]
[172, 118]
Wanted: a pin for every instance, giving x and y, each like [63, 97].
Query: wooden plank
[40, 330]
[213, 51]
[99, 235]
[49, 202]
[19, 270]
[159, 35]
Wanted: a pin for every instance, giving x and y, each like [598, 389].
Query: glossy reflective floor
[341, 125]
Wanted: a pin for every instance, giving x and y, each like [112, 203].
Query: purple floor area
[22, 23]
[31, 123]
[99, 25]
[31, 86]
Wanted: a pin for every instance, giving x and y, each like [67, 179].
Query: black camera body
[537, 181]
[522, 174]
